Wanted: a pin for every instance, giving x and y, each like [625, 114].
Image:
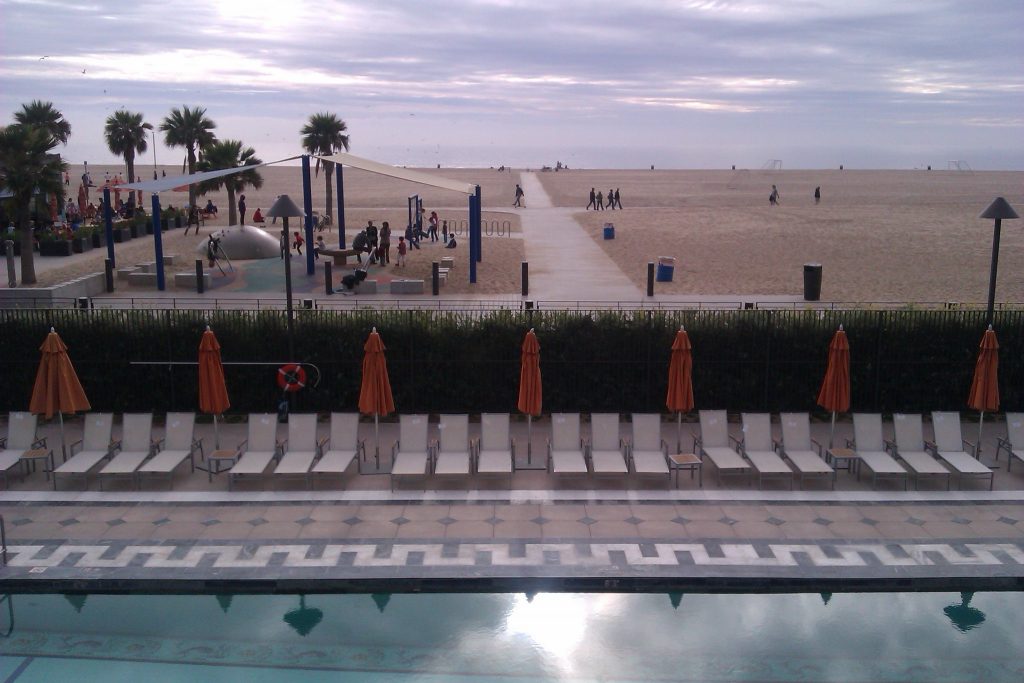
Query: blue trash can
[666, 267]
[609, 231]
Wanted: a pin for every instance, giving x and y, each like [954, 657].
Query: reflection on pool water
[514, 637]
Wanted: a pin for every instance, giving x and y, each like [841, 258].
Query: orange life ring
[291, 377]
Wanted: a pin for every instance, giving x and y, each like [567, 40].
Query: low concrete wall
[63, 294]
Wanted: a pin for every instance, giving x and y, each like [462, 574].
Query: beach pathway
[565, 263]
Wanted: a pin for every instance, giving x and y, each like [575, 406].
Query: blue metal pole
[307, 206]
[340, 183]
[409, 204]
[108, 225]
[479, 225]
[158, 245]
[472, 241]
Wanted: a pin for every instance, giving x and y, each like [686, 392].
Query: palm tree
[324, 134]
[191, 129]
[43, 114]
[230, 154]
[126, 135]
[28, 167]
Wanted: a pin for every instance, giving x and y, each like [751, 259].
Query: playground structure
[310, 224]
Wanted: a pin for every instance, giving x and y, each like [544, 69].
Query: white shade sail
[171, 182]
[402, 173]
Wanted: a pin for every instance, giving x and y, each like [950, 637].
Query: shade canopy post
[307, 205]
[158, 244]
[472, 239]
[339, 182]
[108, 226]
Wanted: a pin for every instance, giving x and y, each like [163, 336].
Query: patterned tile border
[280, 563]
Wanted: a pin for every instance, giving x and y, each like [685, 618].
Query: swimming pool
[514, 637]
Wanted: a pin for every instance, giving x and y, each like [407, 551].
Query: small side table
[31, 457]
[214, 460]
[839, 456]
[687, 461]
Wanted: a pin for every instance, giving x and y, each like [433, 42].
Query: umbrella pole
[981, 421]
[679, 432]
[376, 442]
[832, 431]
[529, 439]
[63, 449]
[216, 433]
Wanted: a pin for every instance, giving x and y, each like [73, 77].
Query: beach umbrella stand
[375, 396]
[984, 396]
[679, 398]
[57, 388]
[835, 388]
[530, 390]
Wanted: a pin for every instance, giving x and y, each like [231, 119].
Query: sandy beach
[880, 236]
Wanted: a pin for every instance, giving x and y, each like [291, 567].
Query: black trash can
[812, 281]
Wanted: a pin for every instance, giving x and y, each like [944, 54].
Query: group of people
[376, 242]
[597, 200]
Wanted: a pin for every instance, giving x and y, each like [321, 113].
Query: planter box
[122, 235]
[80, 245]
[56, 248]
[99, 240]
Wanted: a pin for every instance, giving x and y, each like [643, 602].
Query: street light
[997, 210]
[284, 208]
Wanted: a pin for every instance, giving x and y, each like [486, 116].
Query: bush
[443, 361]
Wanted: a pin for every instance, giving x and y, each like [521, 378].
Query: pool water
[514, 637]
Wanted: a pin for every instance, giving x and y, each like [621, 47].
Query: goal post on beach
[958, 165]
[772, 165]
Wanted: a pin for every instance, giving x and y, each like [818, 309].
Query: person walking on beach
[600, 202]
[817, 194]
[520, 195]
[593, 200]
[385, 242]
[617, 199]
[241, 210]
[611, 199]
[773, 198]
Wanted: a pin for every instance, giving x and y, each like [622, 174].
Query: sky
[674, 83]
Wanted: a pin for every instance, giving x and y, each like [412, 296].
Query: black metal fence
[468, 361]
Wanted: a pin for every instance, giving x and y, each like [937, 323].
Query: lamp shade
[284, 207]
[999, 209]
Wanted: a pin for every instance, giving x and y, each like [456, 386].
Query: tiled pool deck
[538, 535]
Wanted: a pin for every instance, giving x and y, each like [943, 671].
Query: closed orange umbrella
[984, 395]
[213, 391]
[57, 389]
[835, 389]
[530, 394]
[375, 391]
[680, 381]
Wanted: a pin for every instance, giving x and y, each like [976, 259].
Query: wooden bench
[340, 255]
[142, 279]
[188, 281]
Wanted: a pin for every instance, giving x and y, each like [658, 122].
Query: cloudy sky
[676, 83]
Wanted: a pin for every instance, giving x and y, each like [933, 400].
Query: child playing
[319, 245]
[297, 242]
[402, 249]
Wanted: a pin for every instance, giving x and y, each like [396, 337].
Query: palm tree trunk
[191, 170]
[232, 210]
[129, 161]
[328, 173]
[28, 265]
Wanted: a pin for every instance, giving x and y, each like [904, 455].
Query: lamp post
[284, 208]
[997, 210]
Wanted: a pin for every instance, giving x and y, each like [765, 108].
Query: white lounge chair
[1014, 441]
[713, 443]
[909, 446]
[869, 445]
[135, 446]
[411, 456]
[648, 452]
[179, 444]
[342, 447]
[607, 451]
[949, 447]
[257, 451]
[21, 438]
[566, 453]
[95, 445]
[496, 451]
[301, 449]
[758, 447]
[799, 449]
[453, 456]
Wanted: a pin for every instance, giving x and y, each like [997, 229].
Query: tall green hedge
[469, 361]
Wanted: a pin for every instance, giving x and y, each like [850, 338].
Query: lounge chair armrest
[38, 443]
[159, 443]
[736, 440]
[890, 445]
[851, 443]
[3, 442]
[114, 446]
[242, 445]
[931, 446]
[818, 444]
[697, 442]
[78, 443]
[323, 442]
[198, 443]
[973, 448]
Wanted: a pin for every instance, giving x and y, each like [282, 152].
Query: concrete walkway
[565, 263]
